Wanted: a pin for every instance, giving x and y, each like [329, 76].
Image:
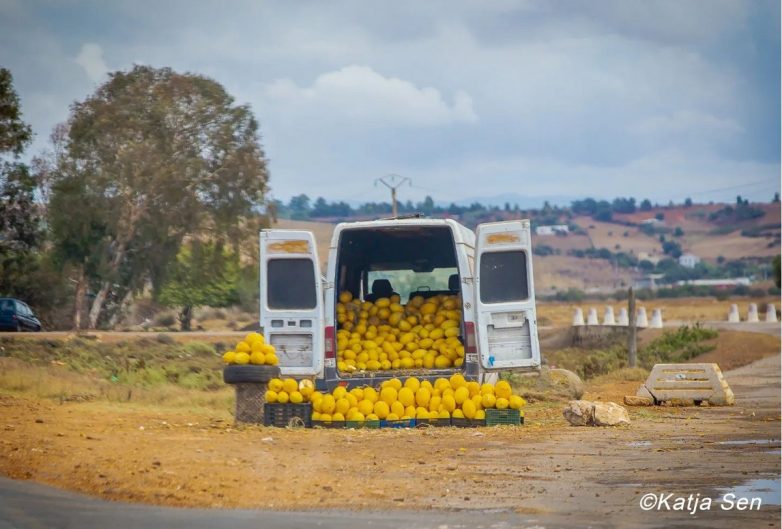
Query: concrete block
[578, 317]
[752, 313]
[592, 317]
[641, 320]
[622, 319]
[733, 314]
[771, 313]
[657, 319]
[685, 382]
[608, 316]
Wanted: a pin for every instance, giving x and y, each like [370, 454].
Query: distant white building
[652, 221]
[736, 281]
[554, 229]
[688, 260]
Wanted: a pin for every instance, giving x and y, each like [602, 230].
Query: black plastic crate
[467, 423]
[432, 422]
[507, 416]
[284, 415]
[334, 425]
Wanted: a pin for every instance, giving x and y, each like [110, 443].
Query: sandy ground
[163, 457]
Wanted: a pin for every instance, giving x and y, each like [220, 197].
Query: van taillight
[469, 331]
[330, 353]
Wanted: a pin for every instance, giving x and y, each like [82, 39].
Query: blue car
[15, 315]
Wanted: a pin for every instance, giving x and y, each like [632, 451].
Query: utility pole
[392, 182]
[631, 337]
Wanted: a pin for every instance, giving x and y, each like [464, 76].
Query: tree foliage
[152, 157]
[201, 274]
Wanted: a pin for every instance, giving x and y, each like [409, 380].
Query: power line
[741, 186]
[392, 182]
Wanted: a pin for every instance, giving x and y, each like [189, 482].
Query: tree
[775, 200]
[15, 134]
[300, 207]
[777, 271]
[151, 157]
[646, 205]
[687, 202]
[20, 221]
[202, 274]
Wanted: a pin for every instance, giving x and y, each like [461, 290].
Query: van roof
[461, 233]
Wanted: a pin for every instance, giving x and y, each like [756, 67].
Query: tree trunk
[120, 312]
[97, 304]
[78, 302]
[185, 317]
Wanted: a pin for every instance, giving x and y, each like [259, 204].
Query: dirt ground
[122, 452]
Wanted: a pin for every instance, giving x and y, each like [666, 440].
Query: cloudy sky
[648, 98]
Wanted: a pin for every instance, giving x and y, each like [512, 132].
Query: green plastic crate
[362, 424]
[507, 416]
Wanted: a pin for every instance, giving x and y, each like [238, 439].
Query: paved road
[25, 505]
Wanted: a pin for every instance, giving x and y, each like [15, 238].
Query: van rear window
[291, 284]
[503, 277]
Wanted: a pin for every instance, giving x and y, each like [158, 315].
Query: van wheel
[235, 374]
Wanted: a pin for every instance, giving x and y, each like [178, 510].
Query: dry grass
[58, 383]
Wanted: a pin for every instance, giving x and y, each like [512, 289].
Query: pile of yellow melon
[252, 350]
[445, 399]
[385, 335]
[289, 390]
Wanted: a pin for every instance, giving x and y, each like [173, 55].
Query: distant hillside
[698, 229]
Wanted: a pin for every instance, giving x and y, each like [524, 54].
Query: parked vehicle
[491, 269]
[15, 315]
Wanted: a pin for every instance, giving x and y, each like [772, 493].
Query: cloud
[359, 94]
[90, 58]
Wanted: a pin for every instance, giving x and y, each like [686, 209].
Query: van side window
[291, 284]
[503, 276]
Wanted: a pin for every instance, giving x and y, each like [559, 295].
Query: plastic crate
[467, 423]
[496, 417]
[400, 423]
[284, 415]
[362, 424]
[335, 425]
[432, 422]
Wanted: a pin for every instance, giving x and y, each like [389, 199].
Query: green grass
[680, 345]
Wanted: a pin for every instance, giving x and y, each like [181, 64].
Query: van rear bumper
[332, 379]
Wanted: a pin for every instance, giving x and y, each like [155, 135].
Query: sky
[526, 99]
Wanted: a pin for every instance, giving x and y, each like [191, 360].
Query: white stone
[641, 320]
[752, 313]
[578, 317]
[622, 319]
[592, 317]
[610, 414]
[733, 314]
[771, 313]
[608, 316]
[587, 413]
[657, 319]
[635, 400]
[579, 412]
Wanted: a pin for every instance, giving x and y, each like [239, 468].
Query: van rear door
[292, 300]
[505, 297]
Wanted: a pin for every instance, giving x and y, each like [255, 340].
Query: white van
[491, 269]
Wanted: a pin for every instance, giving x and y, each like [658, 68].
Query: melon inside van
[400, 298]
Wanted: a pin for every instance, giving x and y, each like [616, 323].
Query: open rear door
[505, 297]
[292, 300]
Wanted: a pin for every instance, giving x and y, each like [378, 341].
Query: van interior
[404, 260]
